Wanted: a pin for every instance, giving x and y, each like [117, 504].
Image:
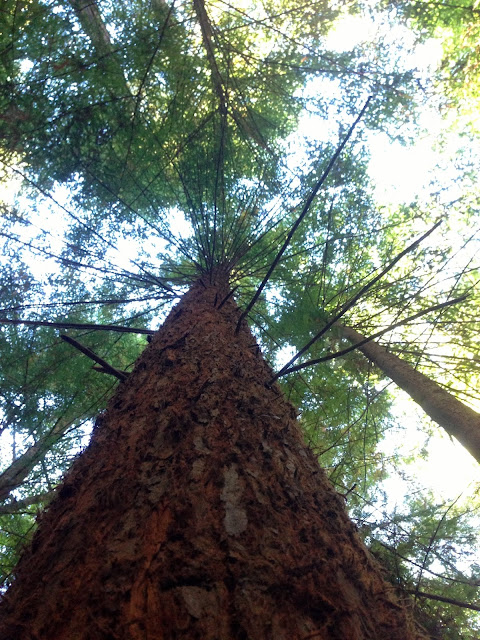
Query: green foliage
[15, 532]
[422, 542]
[457, 27]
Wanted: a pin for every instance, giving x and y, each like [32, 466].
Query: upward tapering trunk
[198, 512]
[456, 418]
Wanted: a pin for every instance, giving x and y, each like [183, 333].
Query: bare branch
[433, 596]
[77, 325]
[14, 506]
[93, 356]
[351, 302]
[303, 213]
[358, 345]
[16, 473]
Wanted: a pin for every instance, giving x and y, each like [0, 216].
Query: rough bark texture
[456, 418]
[197, 511]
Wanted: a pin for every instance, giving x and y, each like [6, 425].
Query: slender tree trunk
[246, 123]
[197, 511]
[91, 21]
[456, 418]
[21, 467]
[92, 24]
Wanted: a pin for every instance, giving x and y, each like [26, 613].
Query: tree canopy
[146, 143]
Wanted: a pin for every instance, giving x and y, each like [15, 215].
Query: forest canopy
[144, 144]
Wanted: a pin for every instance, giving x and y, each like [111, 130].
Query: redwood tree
[197, 511]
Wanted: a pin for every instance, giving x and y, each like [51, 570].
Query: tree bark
[198, 512]
[456, 418]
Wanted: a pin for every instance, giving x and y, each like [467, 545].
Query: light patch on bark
[197, 469]
[199, 445]
[291, 467]
[235, 515]
[196, 600]
[266, 447]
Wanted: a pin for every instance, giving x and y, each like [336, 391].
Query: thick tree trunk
[197, 511]
[456, 418]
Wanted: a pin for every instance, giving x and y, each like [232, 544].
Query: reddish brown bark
[198, 512]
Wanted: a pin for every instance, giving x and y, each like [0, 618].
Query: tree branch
[352, 301]
[93, 356]
[363, 340]
[16, 473]
[77, 325]
[14, 506]
[433, 596]
[303, 213]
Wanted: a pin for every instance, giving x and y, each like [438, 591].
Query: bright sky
[448, 470]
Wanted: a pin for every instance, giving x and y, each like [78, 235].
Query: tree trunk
[198, 512]
[89, 17]
[456, 418]
[91, 21]
[15, 474]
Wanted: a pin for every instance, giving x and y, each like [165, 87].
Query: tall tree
[182, 508]
[154, 142]
[456, 418]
